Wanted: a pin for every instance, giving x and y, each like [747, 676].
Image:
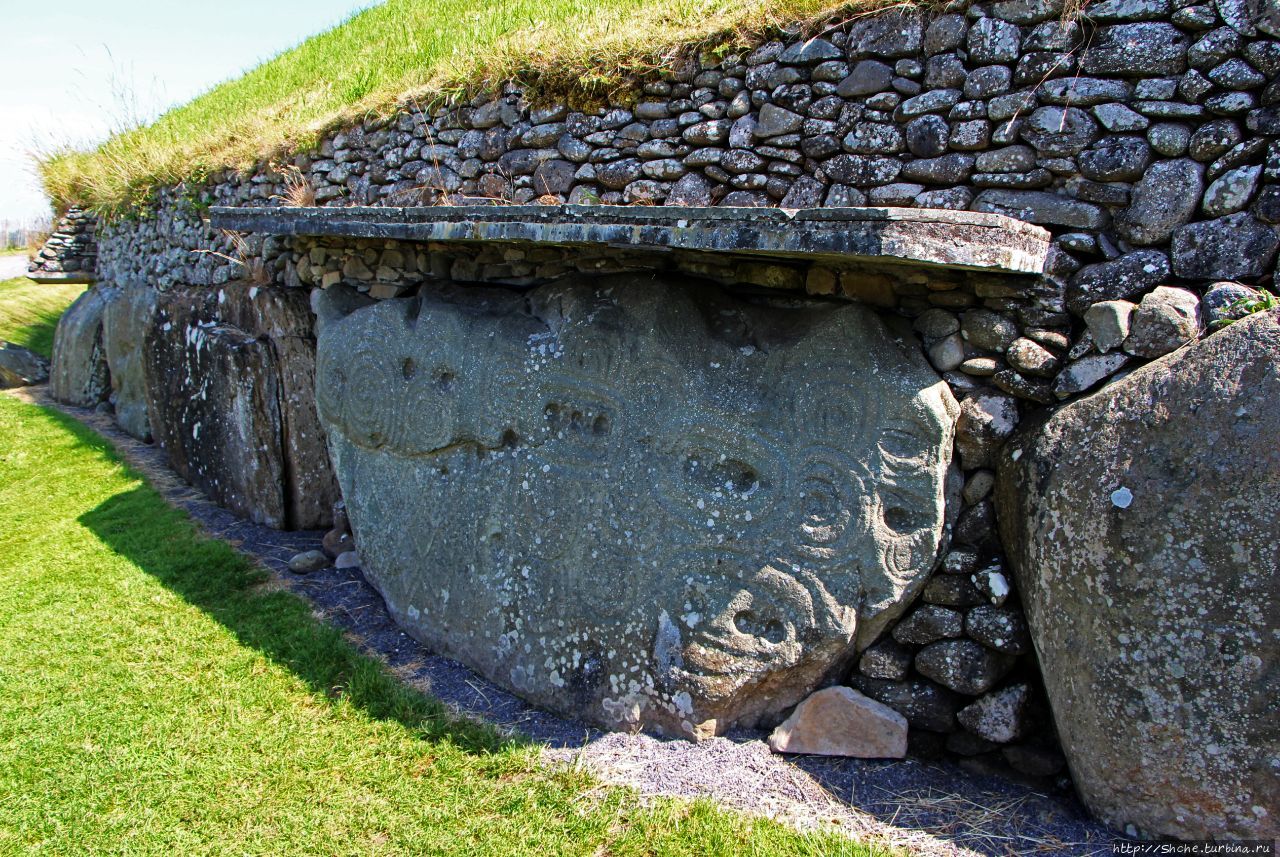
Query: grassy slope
[422, 47]
[155, 700]
[29, 312]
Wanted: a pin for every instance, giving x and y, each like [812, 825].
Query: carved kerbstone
[634, 500]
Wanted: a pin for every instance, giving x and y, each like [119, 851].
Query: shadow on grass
[37, 336]
[208, 574]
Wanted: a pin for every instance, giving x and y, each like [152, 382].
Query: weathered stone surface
[945, 170]
[1222, 302]
[839, 721]
[886, 660]
[991, 40]
[729, 542]
[79, 375]
[1165, 198]
[21, 367]
[1087, 372]
[692, 189]
[1109, 321]
[810, 52]
[1116, 159]
[775, 121]
[1032, 358]
[229, 376]
[1232, 191]
[308, 562]
[1141, 524]
[1125, 277]
[924, 704]
[897, 33]
[929, 623]
[1041, 207]
[867, 78]
[947, 353]
[963, 666]
[967, 239]
[986, 422]
[1060, 131]
[988, 330]
[1167, 319]
[1136, 50]
[950, 590]
[998, 717]
[1169, 138]
[998, 628]
[1234, 247]
[125, 322]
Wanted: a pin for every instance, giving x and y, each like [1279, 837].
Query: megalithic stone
[636, 500]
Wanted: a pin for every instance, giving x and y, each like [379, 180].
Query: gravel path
[928, 808]
[12, 267]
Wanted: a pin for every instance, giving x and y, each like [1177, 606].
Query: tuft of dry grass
[299, 192]
[422, 51]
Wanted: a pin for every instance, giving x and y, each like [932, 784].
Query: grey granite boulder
[1136, 50]
[1234, 247]
[1167, 319]
[1109, 323]
[79, 375]
[229, 376]
[636, 500]
[1165, 198]
[1141, 523]
[125, 323]
[21, 367]
[1124, 277]
[963, 666]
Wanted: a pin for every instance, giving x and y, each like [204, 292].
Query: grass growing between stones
[424, 49]
[156, 699]
[29, 312]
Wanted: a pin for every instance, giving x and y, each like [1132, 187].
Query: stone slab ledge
[46, 278]
[930, 237]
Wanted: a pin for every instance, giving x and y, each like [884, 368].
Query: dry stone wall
[71, 252]
[1143, 134]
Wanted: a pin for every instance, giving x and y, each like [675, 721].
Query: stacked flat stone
[72, 249]
[1144, 137]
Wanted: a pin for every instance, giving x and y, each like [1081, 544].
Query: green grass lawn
[155, 698]
[424, 48]
[30, 312]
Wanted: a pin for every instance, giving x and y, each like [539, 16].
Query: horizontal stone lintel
[46, 278]
[919, 236]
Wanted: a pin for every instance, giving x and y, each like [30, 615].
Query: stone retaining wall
[1144, 136]
[71, 253]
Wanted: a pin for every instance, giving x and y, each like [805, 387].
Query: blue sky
[70, 69]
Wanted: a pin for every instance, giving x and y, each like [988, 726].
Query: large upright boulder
[1143, 525]
[125, 322]
[79, 375]
[634, 500]
[229, 380]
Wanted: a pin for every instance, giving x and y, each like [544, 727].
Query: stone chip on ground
[839, 721]
[308, 562]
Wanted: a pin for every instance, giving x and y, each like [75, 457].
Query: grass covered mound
[29, 312]
[156, 699]
[416, 49]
